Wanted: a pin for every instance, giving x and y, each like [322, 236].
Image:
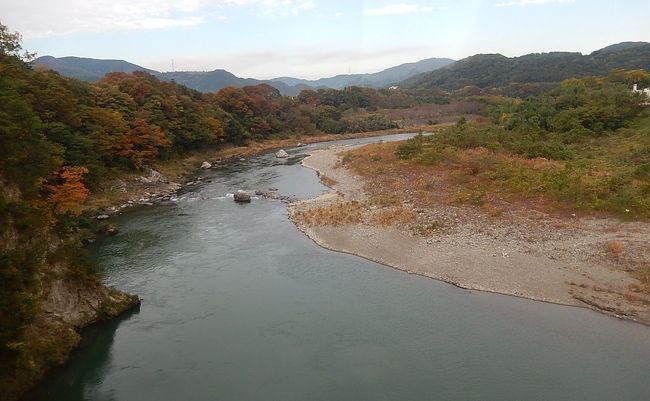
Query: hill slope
[495, 70]
[375, 80]
[87, 69]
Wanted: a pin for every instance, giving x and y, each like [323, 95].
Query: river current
[239, 305]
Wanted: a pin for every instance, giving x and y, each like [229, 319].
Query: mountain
[87, 69]
[496, 70]
[376, 80]
[212, 81]
[92, 70]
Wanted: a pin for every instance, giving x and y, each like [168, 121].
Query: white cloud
[523, 3]
[42, 18]
[400, 9]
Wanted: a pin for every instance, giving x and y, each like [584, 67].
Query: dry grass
[327, 181]
[392, 217]
[385, 200]
[643, 275]
[337, 214]
[615, 249]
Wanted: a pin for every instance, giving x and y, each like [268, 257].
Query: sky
[316, 38]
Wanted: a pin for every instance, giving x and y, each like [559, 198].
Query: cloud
[43, 18]
[399, 9]
[523, 3]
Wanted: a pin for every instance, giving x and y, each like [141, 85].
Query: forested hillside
[495, 70]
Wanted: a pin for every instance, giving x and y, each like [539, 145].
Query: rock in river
[281, 154]
[242, 196]
[206, 165]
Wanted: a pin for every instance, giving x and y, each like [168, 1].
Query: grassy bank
[609, 174]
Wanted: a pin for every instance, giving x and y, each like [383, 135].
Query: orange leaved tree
[70, 194]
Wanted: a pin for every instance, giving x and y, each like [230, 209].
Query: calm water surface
[238, 305]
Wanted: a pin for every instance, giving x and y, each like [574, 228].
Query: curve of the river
[238, 305]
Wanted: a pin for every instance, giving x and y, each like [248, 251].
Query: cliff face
[46, 296]
[66, 306]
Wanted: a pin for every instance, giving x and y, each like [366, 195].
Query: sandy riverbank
[525, 253]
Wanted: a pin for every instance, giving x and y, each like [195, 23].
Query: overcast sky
[316, 38]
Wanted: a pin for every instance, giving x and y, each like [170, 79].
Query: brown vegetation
[336, 214]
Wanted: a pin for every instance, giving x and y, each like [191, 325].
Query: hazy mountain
[87, 69]
[376, 80]
[209, 81]
[482, 70]
[496, 70]
[212, 81]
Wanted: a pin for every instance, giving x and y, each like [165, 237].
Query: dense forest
[498, 71]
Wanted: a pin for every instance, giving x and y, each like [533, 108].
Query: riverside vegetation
[559, 179]
[583, 145]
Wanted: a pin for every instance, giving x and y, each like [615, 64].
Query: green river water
[238, 305]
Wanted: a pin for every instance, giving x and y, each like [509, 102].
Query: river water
[239, 305]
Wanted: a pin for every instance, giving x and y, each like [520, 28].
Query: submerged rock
[281, 154]
[242, 197]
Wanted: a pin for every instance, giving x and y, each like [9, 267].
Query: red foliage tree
[70, 194]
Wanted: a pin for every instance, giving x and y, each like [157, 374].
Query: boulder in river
[281, 154]
[242, 197]
[103, 217]
[206, 165]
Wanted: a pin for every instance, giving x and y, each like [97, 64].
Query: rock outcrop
[242, 197]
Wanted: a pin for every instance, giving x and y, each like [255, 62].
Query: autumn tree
[70, 194]
[143, 143]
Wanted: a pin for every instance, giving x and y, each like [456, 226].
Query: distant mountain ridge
[496, 70]
[375, 80]
[481, 70]
[89, 69]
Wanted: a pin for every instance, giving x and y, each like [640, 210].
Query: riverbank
[161, 180]
[575, 260]
[68, 305]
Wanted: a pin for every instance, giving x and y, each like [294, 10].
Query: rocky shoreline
[161, 182]
[525, 254]
[67, 307]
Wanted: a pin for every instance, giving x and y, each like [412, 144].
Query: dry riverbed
[573, 260]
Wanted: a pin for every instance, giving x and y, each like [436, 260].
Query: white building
[645, 91]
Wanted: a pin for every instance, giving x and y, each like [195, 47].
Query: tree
[143, 143]
[10, 44]
[70, 194]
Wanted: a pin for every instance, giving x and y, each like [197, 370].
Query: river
[239, 305]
